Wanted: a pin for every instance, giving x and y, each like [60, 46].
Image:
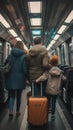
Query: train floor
[63, 121]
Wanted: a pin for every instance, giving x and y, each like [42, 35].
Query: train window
[4, 50]
[53, 53]
[68, 41]
[66, 53]
[8, 48]
[62, 54]
[70, 47]
[58, 51]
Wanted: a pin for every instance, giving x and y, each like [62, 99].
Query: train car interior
[52, 20]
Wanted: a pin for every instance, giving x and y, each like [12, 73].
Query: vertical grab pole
[41, 89]
[32, 89]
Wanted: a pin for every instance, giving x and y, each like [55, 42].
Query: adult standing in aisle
[16, 77]
[37, 62]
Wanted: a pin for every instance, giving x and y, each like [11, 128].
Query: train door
[66, 53]
[68, 41]
[70, 47]
[7, 49]
[4, 51]
[1, 52]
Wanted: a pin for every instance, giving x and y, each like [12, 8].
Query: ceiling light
[51, 44]
[70, 17]
[4, 22]
[18, 39]
[36, 32]
[35, 21]
[35, 7]
[62, 28]
[13, 32]
[56, 37]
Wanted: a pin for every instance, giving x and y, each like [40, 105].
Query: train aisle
[61, 122]
[13, 124]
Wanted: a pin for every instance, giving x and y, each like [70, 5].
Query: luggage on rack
[37, 109]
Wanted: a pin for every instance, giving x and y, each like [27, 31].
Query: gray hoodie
[54, 81]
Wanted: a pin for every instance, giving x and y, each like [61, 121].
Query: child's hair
[54, 60]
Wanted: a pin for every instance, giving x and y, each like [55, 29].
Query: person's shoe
[18, 114]
[53, 116]
[10, 115]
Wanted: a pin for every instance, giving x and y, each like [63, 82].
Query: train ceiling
[19, 14]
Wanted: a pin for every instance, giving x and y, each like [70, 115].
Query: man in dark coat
[38, 62]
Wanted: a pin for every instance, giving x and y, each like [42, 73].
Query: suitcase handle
[32, 89]
[41, 89]
[41, 92]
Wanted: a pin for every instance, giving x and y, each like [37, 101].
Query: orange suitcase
[38, 110]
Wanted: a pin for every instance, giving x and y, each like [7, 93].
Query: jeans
[15, 94]
[52, 102]
[36, 89]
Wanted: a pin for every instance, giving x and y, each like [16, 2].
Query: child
[54, 77]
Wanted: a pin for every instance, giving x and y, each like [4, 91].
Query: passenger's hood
[17, 52]
[37, 49]
[55, 71]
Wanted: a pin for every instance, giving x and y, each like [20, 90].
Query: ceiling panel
[17, 14]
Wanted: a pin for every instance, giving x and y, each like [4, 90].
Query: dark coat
[16, 78]
[37, 61]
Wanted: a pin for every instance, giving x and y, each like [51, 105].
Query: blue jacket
[16, 78]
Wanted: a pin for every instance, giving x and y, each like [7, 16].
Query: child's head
[54, 60]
